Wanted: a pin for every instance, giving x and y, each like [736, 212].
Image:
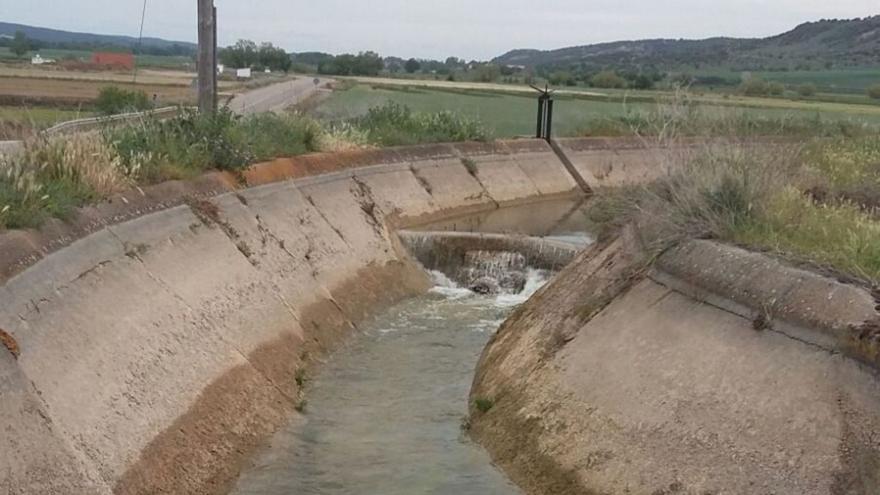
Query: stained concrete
[161, 333]
[614, 379]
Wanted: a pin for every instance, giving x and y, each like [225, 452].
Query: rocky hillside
[854, 42]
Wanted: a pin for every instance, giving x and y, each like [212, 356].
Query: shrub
[874, 92]
[607, 79]
[806, 90]
[154, 150]
[484, 405]
[560, 78]
[754, 86]
[112, 100]
[775, 89]
[394, 124]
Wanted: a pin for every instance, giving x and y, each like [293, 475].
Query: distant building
[114, 60]
[38, 60]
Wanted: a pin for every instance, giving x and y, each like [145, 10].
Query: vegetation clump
[814, 201]
[393, 124]
[52, 176]
[483, 404]
[154, 150]
[112, 100]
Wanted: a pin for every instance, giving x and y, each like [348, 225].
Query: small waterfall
[488, 264]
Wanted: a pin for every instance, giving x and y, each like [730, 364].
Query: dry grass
[796, 200]
[45, 90]
[52, 175]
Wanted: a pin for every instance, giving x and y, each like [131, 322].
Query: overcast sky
[469, 29]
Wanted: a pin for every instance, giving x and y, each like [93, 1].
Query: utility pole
[207, 60]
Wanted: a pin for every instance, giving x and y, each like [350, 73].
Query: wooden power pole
[207, 61]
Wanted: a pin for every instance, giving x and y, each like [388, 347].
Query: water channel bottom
[384, 415]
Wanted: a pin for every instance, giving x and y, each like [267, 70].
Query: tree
[775, 88]
[412, 65]
[754, 86]
[874, 92]
[363, 64]
[243, 54]
[806, 90]
[246, 53]
[642, 81]
[488, 73]
[20, 44]
[561, 77]
[112, 100]
[274, 58]
[607, 79]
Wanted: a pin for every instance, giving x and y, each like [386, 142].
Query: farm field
[18, 122]
[837, 81]
[513, 114]
[47, 91]
[142, 60]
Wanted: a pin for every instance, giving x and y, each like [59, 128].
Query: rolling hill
[57, 37]
[853, 43]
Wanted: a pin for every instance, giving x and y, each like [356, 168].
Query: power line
[140, 42]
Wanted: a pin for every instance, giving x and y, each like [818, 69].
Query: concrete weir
[156, 338]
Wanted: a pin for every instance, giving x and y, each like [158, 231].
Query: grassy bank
[52, 176]
[815, 202]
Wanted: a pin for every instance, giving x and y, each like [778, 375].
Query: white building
[38, 60]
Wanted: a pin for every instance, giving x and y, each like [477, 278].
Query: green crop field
[40, 116]
[514, 115]
[143, 60]
[841, 81]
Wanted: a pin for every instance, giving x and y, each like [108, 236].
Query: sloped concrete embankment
[715, 370]
[159, 337]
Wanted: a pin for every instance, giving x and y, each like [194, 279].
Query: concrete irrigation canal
[432, 319]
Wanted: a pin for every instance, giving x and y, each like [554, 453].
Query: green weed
[483, 404]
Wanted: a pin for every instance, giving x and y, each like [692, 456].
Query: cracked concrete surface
[157, 352]
[664, 385]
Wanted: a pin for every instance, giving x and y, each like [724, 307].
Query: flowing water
[384, 415]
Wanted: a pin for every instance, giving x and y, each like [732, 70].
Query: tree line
[20, 44]
[247, 54]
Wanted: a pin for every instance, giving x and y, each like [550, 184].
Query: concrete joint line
[461, 157]
[689, 291]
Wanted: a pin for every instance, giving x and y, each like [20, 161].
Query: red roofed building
[114, 60]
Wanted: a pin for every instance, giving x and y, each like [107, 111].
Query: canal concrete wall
[151, 342]
[712, 370]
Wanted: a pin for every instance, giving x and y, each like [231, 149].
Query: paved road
[277, 96]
